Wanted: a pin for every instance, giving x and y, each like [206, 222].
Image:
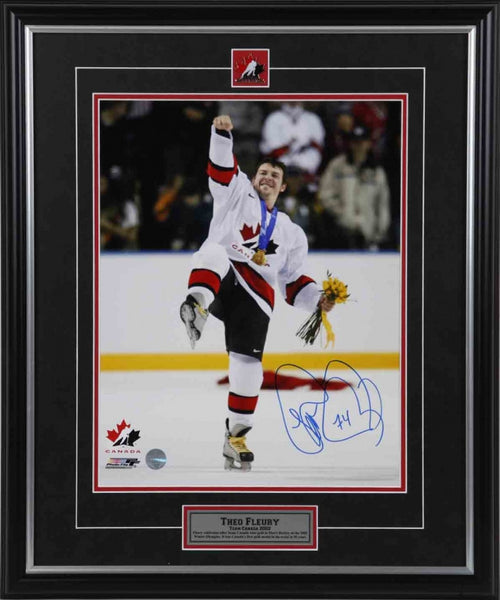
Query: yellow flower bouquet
[335, 291]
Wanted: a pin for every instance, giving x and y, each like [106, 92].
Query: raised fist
[223, 122]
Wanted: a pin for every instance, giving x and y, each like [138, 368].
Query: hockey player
[250, 70]
[251, 248]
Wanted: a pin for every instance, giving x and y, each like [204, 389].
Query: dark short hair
[269, 160]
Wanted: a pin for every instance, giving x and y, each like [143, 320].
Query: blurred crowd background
[343, 161]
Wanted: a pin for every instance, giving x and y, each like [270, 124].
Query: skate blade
[231, 465]
[188, 317]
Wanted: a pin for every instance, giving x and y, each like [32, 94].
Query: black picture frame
[475, 288]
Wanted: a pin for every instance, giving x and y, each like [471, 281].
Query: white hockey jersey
[294, 136]
[235, 225]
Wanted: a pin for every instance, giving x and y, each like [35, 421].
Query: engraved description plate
[250, 527]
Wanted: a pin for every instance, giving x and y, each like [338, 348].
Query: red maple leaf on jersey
[247, 233]
[114, 434]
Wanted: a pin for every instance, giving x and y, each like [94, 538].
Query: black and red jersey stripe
[205, 278]
[293, 288]
[222, 175]
[256, 282]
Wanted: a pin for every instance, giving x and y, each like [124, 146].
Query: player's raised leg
[210, 265]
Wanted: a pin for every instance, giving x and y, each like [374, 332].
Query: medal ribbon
[266, 228]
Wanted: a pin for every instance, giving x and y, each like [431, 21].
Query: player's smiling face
[268, 181]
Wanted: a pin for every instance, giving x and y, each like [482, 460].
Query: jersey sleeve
[224, 176]
[297, 288]
[222, 164]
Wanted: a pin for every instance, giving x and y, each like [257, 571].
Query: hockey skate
[237, 455]
[194, 317]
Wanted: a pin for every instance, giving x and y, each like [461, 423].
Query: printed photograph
[250, 293]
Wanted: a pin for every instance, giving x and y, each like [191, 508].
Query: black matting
[437, 230]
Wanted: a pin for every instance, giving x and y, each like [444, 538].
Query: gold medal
[266, 230]
[259, 257]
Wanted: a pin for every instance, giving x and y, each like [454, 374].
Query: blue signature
[310, 425]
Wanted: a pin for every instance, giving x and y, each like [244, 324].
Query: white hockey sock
[245, 380]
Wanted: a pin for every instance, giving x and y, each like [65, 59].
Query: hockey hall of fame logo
[249, 68]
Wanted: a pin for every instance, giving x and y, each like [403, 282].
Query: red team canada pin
[249, 68]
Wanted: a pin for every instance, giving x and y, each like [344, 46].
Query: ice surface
[183, 413]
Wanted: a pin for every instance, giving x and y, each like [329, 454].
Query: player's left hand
[325, 304]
